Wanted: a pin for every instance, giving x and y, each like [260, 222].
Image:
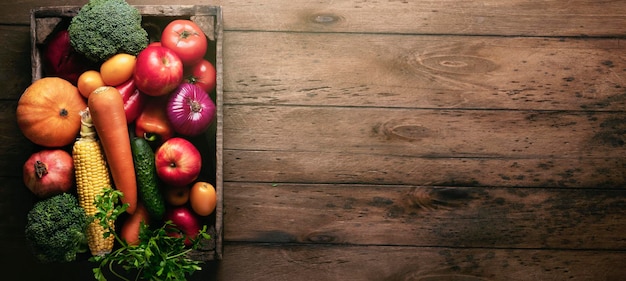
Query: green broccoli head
[103, 28]
[55, 229]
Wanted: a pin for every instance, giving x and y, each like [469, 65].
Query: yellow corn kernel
[92, 178]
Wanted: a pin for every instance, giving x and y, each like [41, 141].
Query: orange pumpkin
[48, 112]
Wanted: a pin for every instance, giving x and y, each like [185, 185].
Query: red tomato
[202, 74]
[203, 198]
[186, 39]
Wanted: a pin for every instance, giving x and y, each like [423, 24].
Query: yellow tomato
[88, 81]
[117, 69]
[203, 198]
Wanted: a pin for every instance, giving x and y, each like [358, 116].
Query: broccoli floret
[55, 229]
[103, 28]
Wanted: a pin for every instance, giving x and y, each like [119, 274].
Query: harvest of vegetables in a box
[123, 121]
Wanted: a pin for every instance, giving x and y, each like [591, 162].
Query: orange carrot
[130, 228]
[107, 112]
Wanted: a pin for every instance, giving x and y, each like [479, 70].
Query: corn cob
[92, 178]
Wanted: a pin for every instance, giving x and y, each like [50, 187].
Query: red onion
[190, 109]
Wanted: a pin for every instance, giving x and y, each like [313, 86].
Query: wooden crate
[44, 21]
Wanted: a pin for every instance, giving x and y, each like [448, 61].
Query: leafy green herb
[158, 256]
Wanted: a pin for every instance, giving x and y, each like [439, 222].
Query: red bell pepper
[134, 100]
[153, 124]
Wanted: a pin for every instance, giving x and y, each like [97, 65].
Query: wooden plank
[499, 17]
[495, 17]
[15, 57]
[336, 167]
[301, 262]
[425, 71]
[14, 147]
[425, 132]
[400, 215]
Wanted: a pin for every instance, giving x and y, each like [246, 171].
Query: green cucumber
[148, 186]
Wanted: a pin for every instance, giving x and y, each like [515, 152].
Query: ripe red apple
[178, 162]
[158, 71]
[184, 220]
[49, 172]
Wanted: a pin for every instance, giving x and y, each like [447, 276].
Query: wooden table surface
[395, 140]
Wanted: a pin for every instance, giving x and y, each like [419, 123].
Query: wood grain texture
[426, 216]
[15, 57]
[300, 262]
[15, 148]
[425, 71]
[336, 167]
[426, 133]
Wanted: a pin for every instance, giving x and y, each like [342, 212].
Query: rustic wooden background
[396, 140]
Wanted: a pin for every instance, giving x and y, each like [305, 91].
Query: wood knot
[459, 64]
[451, 277]
[325, 19]
[320, 237]
[405, 129]
[437, 198]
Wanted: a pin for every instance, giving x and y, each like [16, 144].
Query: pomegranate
[49, 172]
